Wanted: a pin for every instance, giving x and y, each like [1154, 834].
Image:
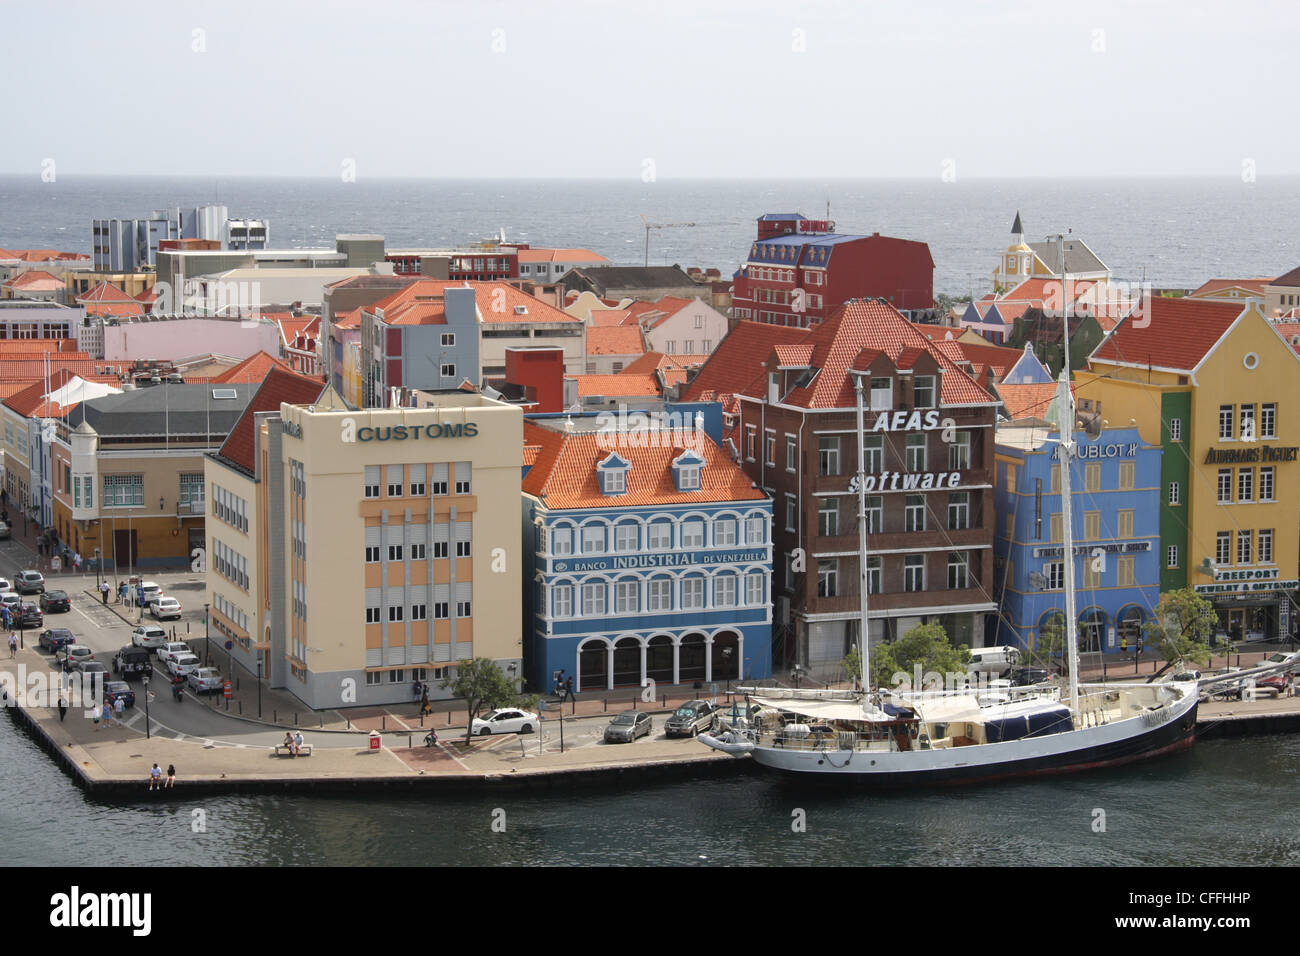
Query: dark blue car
[56, 639]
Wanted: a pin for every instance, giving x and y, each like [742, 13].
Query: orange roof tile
[530, 454]
[279, 386]
[603, 318]
[621, 340]
[614, 386]
[1028, 401]
[565, 470]
[1174, 334]
[250, 371]
[562, 255]
[421, 303]
[148, 297]
[31, 400]
[42, 255]
[348, 320]
[736, 365]
[42, 346]
[1254, 287]
[32, 369]
[35, 280]
[104, 292]
[114, 309]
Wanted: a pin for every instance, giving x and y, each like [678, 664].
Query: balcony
[190, 509]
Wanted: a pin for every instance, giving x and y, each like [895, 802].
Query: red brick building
[799, 270]
[930, 508]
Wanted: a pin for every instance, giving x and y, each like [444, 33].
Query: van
[994, 660]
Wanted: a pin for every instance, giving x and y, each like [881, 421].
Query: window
[372, 481]
[875, 514]
[1225, 486]
[593, 599]
[958, 510]
[791, 453]
[1266, 484]
[1225, 423]
[959, 452]
[625, 597]
[755, 531]
[914, 572]
[1223, 547]
[417, 489]
[372, 554]
[394, 489]
[372, 615]
[923, 392]
[1171, 556]
[724, 590]
[394, 552]
[882, 394]
[625, 537]
[828, 578]
[439, 478]
[791, 513]
[689, 479]
[828, 455]
[692, 534]
[1091, 576]
[914, 513]
[1091, 525]
[660, 595]
[1175, 493]
[462, 549]
[1058, 528]
[914, 453]
[1092, 477]
[958, 570]
[1056, 480]
[693, 594]
[1054, 572]
[661, 536]
[1244, 540]
[462, 478]
[1245, 484]
[751, 441]
[874, 457]
[615, 481]
[123, 491]
[1268, 420]
[724, 533]
[1175, 429]
[1125, 522]
[563, 601]
[418, 552]
[395, 612]
[1011, 526]
[464, 608]
[1266, 546]
[192, 491]
[1125, 572]
[1248, 423]
[828, 517]
[449, 338]
[873, 575]
[593, 539]
[769, 454]
[440, 549]
[561, 541]
[440, 610]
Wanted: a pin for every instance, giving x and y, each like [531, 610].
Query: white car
[163, 608]
[6, 585]
[171, 650]
[11, 600]
[149, 635]
[184, 665]
[505, 721]
[147, 592]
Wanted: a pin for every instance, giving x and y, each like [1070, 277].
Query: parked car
[183, 665]
[994, 660]
[1272, 683]
[55, 601]
[149, 590]
[72, 654]
[56, 638]
[149, 635]
[164, 608]
[32, 616]
[4, 530]
[205, 680]
[29, 582]
[1281, 657]
[505, 721]
[627, 727]
[690, 718]
[6, 585]
[132, 661]
[119, 688]
[12, 600]
[172, 650]
[1025, 676]
[92, 669]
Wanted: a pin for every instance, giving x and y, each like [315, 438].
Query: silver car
[690, 718]
[627, 727]
[183, 665]
[205, 680]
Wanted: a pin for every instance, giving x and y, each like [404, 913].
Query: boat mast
[1065, 426]
[862, 541]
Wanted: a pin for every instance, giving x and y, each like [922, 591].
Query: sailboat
[896, 739]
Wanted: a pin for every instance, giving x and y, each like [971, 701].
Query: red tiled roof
[293, 326]
[348, 320]
[1028, 401]
[613, 386]
[736, 365]
[1174, 334]
[31, 400]
[114, 309]
[1288, 279]
[32, 369]
[565, 470]
[1254, 287]
[35, 280]
[794, 356]
[561, 255]
[104, 292]
[530, 454]
[42, 346]
[279, 386]
[421, 303]
[621, 340]
[605, 318]
[148, 297]
[42, 255]
[996, 356]
[250, 371]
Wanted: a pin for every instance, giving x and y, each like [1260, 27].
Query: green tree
[852, 664]
[925, 645]
[483, 686]
[1181, 629]
[1051, 641]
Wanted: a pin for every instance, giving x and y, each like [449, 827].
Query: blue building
[649, 556]
[1115, 480]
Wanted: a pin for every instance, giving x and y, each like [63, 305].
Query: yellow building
[355, 552]
[1215, 384]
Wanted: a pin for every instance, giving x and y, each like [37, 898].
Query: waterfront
[1224, 803]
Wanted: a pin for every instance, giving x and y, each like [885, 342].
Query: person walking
[103, 591]
[76, 561]
[568, 692]
[13, 644]
[155, 775]
[63, 707]
[119, 705]
[171, 776]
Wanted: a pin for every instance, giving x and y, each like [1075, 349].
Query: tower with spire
[1017, 262]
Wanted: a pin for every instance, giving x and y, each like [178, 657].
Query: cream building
[359, 559]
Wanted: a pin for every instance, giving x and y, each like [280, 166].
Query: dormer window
[923, 391]
[882, 394]
[686, 471]
[612, 475]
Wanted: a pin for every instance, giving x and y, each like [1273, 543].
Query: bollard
[606, 704]
[322, 723]
[295, 718]
[236, 683]
[275, 717]
[422, 721]
[383, 722]
[349, 723]
[241, 707]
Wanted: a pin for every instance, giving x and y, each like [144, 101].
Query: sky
[568, 88]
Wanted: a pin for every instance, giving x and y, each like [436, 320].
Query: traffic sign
[229, 644]
[56, 563]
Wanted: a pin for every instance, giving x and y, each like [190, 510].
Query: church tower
[1017, 262]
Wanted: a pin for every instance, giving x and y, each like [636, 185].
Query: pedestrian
[4, 615]
[103, 591]
[63, 707]
[155, 774]
[96, 714]
[119, 705]
[568, 692]
[171, 776]
[121, 593]
[76, 561]
[13, 644]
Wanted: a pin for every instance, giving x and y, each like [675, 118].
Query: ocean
[1174, 232]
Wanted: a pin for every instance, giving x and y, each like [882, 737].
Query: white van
[994, 660]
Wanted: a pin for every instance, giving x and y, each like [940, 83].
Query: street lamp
[147, 734]
[97, 569]
[259, 685]
[207, 639]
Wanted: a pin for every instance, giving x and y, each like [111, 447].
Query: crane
[659, 225]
